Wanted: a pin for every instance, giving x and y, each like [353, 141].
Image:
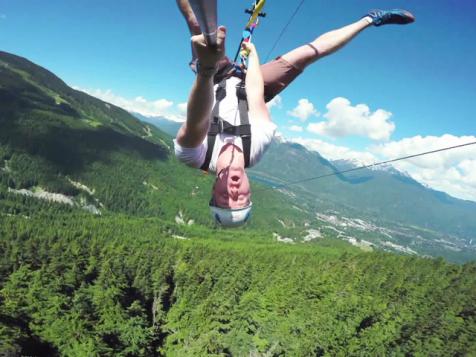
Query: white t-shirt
[262, 132]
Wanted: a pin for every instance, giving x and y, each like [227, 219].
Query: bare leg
[325, 44]
[189, 17]
[254, 85]
[192, 23]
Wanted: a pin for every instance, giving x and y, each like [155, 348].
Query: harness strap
[218, 125]
[220, 94]
[244, 121]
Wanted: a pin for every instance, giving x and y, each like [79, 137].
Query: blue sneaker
[396, 16]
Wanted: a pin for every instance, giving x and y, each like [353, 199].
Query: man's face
[232, 188]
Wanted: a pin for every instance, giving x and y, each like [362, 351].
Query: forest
[86, 285]
[107, 249]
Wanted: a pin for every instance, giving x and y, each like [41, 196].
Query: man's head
[230, 204]
[231, 194]
[231, 188]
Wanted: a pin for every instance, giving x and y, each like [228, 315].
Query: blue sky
[394, 90]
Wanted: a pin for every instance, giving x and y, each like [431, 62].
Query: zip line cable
[355, 168]
[283, 30]
[371, 165]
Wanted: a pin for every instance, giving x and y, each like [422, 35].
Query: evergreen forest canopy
[106, 249]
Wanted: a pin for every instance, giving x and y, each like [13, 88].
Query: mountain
[386, 198]
[55, 139]
[60, 143]
[168, 126]
[383, 194]
[405, 215]
[106, 248]
[399, 198]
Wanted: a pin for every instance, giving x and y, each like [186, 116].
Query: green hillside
[439, 224]
[106, 249]
[125, 286]
[386, 209]
[60, 140]
[386, 195]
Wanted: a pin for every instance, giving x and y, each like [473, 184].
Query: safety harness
[220, 126]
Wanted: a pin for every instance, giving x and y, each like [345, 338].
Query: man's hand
[248, 47]
[208, 56]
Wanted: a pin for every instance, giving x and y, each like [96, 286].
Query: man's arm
[199, 107]
[255, 85]
[200, 101]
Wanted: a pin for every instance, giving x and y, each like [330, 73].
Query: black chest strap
[218, 125]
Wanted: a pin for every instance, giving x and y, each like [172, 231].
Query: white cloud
[149, 108]
[452, 171]
[343, 119]
[182, 107]
[296, 128]
[303, 110]
[275, 102]
[335, 152]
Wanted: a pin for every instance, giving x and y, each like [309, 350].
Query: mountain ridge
[55, 140]
[297, 163]
[147, 274]
[171, 127]
[43, 147]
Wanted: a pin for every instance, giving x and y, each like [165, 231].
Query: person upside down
[228, 127]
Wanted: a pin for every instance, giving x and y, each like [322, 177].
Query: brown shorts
[277, 75]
